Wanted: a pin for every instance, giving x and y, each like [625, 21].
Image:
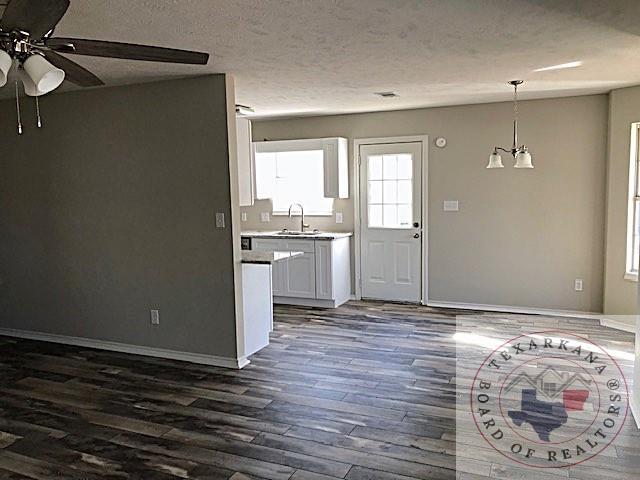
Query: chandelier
[520, 153]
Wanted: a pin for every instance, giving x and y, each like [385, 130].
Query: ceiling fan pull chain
[38, 112]
[18, 109]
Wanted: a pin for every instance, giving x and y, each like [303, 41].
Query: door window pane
[390, 215]
[390, 167]
[375, 168]
[375, 192]
[390, 191]
[404, 215]
[405, 192]
[375, 215]
[405, 166]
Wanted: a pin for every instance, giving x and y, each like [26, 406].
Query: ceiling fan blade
[37, 17]
[73, 72]
[130, 51]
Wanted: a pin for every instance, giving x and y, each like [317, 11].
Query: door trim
[357, 142]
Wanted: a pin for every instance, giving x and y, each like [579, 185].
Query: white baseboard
[213, 360]
[514, 309]
[635, 409]
[308, 302]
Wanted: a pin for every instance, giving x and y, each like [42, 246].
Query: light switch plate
[264, 216]
[243, 216]
[450, 206]
[155, 317]
[219, 220]
[578, 284]
[339, 217]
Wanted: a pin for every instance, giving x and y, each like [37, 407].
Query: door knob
[416, 235]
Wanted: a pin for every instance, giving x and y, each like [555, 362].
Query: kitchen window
[633, 213]
[293, 177]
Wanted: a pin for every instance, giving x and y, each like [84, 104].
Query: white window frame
[277, 146]
[633, 195]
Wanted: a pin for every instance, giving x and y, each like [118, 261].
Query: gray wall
[521, 237]
[108, 211]
[620, 295]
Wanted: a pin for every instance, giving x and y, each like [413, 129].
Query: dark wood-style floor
[363, 392]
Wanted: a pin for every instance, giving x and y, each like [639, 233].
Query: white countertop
[306, 235]
[257, 256]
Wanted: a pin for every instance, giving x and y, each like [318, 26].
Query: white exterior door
[391, 216]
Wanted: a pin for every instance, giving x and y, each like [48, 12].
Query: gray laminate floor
[365, 391]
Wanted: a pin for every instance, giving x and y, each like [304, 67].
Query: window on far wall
[633, 214]
[293, 177]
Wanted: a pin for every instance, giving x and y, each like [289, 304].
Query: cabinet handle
[416, 235]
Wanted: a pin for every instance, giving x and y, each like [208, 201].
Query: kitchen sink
[288, 232]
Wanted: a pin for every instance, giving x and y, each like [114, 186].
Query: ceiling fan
[26, 30]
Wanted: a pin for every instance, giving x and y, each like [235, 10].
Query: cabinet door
[245, 162]
[336, 170]
[324, 284]
[300, 277]
[278, 273]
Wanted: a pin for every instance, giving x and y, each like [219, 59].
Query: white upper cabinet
[334, 160]
[336, 167]
[245, 162]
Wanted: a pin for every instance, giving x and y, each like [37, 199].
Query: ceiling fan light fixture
[29, 87]
[43, 74]
[5, 65]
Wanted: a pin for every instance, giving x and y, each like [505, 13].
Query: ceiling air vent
[387, 94]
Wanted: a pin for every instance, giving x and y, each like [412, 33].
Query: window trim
[632, 194]
[283, 146]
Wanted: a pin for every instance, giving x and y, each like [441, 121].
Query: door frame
[357, 234]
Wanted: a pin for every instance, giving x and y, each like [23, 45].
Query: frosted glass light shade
[5, 66]
[523, 160]
[29, 87]
[44, 76]
[495, 161]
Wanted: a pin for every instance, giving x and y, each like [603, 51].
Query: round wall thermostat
[441, 142]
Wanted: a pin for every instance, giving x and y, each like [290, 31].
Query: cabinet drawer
[306, 246]
[268, 244]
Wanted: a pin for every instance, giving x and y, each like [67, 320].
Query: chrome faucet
[302, 224]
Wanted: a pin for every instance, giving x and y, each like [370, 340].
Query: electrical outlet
[578, 284]
[339, 217]
[264, 216]
[243, 216]
[450, 206]
[219, 220]
[155, 317]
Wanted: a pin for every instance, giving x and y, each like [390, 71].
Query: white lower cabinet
[319, 277]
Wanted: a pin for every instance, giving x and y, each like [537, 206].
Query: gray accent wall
[109, 211]
[521, 237]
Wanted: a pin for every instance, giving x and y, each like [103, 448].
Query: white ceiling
[311, 57]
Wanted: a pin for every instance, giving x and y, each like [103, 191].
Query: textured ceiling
[310, 57]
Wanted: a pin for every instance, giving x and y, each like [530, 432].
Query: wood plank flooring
[363, 392]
